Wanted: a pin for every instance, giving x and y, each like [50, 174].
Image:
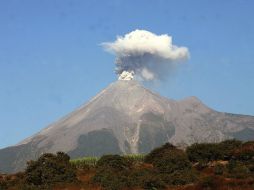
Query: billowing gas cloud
[146, 56]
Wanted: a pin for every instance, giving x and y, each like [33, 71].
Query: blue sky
[51, 61]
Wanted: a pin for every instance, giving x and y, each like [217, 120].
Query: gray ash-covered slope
[128, 118]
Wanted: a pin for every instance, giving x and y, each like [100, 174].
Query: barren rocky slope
[128, 118]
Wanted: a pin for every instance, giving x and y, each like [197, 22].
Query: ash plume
[145, 56]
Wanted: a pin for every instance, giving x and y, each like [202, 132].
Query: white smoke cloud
[125, 75]
[145, 55]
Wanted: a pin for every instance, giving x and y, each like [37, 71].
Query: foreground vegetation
[90, 162]
[225, 165]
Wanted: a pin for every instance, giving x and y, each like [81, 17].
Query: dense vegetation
[225, 165]
[48, 170]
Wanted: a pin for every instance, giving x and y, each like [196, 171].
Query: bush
[227, 148]
[49, 169]
[153, 182]
[237, 169]
[112, 172]
[213, 151]
[3, 184]
[146, 178]
[172, 164]
[244, 152]
[113, 162]
[218, 169]
[180, 177]
[172, 161]
[157, 153]
[110, 180]
[204, 152]
[116, 172]
[168, 159]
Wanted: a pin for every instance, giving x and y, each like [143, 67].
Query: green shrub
[113, 162]
[244, 152]
[157, 153]
[227, 148]
[115, 172]
[172, 164]
[237, 169]
[168, 159]
[112, 172]
[145, 178]
[180, 177]
[218, 169]
[153, 182]
[110, 180]
[213, 151]
[172, 161]
[49, 169]
[204, 151]
[3, 185]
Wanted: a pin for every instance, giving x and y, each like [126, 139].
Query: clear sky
[51, 61]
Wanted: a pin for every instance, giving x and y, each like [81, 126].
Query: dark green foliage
[237, 169]
[3, 185]
[180, 177]
[219, 169]
[244, 152]
[49, 169]
[146, 178]
[110, 180]
[153, 182]
[172, 161]
[157, 153]
[62, 157]
[168, 159]
[115, 172]
[212, 151]
[172, 164]
[163, 168]
[227, 147]
[113, 162]
[204, 151]
[112, 172]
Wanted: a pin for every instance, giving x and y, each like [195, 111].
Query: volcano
[127, 118]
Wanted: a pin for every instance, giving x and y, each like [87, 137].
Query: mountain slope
[128, 118]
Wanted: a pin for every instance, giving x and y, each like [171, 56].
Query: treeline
[225, 165]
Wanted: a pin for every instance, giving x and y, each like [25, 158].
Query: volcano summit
[128, 118]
